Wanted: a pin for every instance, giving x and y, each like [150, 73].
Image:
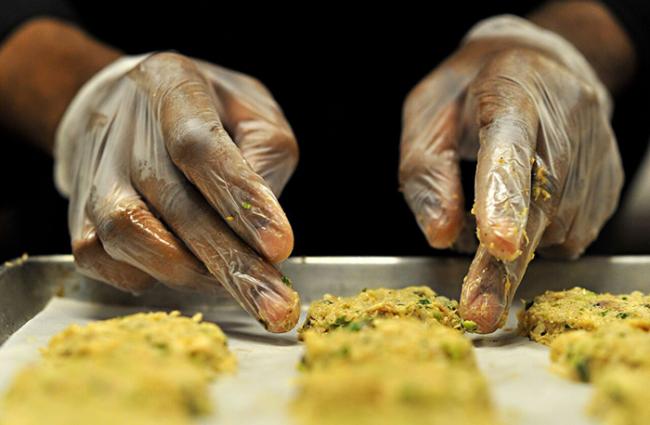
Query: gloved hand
[527, 105]
[172, 167]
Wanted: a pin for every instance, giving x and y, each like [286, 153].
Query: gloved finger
[257, 125]
[508, 122]
[92, 260]
[565, 200]
[490, 284]
[202, 149]
[429, 172]
[258, 286]
[432, 126]
[601, 195]
[130, 233]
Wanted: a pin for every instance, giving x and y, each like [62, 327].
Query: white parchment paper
[524, 389]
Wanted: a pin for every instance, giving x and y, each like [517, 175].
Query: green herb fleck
[622, 315]
[470, 325]
[302, 365]
[354, 327]
[286, 281]
[604, 313]
[424, 301]
[161, 346]
[193, 406]
[454, 351]
[358, 325]
[410, 393]
[246, 205]
[582, 369]
[616, 395]
[340, 321]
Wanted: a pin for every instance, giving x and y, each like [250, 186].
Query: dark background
[340, 75]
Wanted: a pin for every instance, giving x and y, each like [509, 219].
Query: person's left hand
[529, 108]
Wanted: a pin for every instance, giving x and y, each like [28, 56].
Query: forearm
[42, 66]
[595, 32]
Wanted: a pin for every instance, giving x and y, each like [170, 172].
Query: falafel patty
[377, 340]
[388, 371]
[621, 397]
[146, 368]
[393, 392]
[419, 302]
[173, 335]
[556, 312]
[583, 355]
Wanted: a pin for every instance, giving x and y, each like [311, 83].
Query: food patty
[142, 369]
[394, 370]
[582, 355]
[171, 335]
[393, 392]
[621, 397]
[419, 302]
[556, 312]
[146, 390]
[383, 339]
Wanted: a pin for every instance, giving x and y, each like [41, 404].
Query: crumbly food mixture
[419, 302]
[380, 340]
[583, 355]
[147, 368]
[389, 361]
[556, 312]
[598, 338]
[393, 392]
[621, 397]
[170, 334]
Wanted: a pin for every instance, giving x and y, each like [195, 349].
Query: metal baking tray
[511, 363]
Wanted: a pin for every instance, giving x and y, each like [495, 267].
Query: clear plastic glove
[527, 105]
[171, 165]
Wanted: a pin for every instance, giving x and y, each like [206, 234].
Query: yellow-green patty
[556, 312]
[582, 355]
[621, 397]
[142, 369]
[391, 371]
[419, 302]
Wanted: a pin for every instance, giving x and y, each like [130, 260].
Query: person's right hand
[172, 166]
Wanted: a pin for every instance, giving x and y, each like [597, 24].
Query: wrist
[508, 31]
[596, 33]
[43, 64]
[67, 136]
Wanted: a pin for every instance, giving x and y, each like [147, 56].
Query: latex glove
[528, 106]
[170, 165]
